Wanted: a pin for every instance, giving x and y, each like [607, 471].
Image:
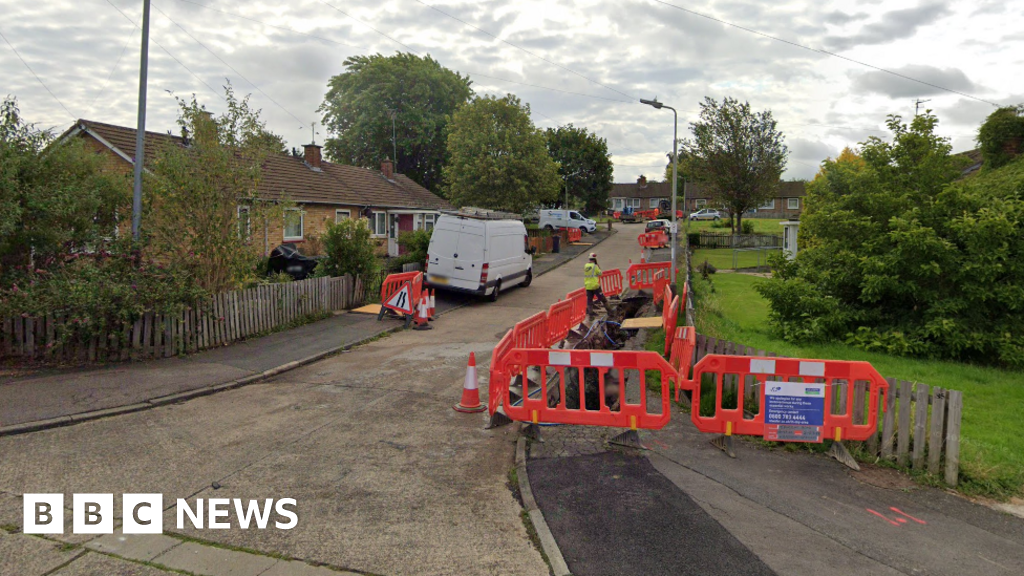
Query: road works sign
[794, 411]
[401, 300]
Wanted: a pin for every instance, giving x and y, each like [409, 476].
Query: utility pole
[393, 112]
[140, 134]
[917, 105]
[675, 184]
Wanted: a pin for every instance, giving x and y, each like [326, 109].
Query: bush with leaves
[1001, 136]
[415, 243]
[898, 256]
[349, 249]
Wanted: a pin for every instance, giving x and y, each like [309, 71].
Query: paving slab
[211, 561]
[93, 564]
[27, 555]
[296, 568]
[143, 547]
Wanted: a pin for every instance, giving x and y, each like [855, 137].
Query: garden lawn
[761, 226]
[721, 258]
[992, 434]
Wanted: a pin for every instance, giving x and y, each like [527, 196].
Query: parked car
[658, 225]
[287, 258]
[706, 214]
[478, 255]
[551, 219]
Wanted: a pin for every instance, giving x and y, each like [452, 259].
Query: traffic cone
[433, 307]
[422, 315]
[470, 392]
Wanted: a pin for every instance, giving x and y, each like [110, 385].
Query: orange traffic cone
[470, 392]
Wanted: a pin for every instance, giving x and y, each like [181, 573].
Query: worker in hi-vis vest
[592, 282]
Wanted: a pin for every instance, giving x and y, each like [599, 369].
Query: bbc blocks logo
[144, 513]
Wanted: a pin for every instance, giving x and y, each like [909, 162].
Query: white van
[478, 255]
[551, 219]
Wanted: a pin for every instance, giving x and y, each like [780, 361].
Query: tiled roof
[633, 190]
[285, 176]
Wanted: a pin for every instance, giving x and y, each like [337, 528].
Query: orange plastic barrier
[656, 239]
[838, 378]
[647, 214]
[617, 215]
[573, 234]
[669, 317]
[681, 358]
[557, 362]
[496, 381]
[611, 282]
[578, 298]
[532, 332]
[394, 282]
[641, 276]
[559, 321]
[660, 283]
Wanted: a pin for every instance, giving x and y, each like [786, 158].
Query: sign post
[794, 411]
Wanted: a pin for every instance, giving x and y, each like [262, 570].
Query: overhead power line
[222, 61]
[47, 88]
[520, 48]
[821, 51]
[124, 49]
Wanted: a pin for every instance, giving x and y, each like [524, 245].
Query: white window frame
[653, 203]
[248, 221]
[340, 215]
[432, 219]
[383, 221]
[302, 225]
[769, 205]
[791, 201]
[636, 203]
[617, 203]
[700, 203]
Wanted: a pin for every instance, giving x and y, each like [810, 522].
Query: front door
[393, 235]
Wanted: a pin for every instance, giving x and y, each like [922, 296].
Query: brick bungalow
[321, 191]
[643, 195]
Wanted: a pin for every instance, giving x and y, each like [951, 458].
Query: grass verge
[992, 432]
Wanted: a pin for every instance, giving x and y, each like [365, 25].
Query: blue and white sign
[794, 411]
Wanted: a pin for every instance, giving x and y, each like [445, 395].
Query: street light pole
[394, 141]
[675, 184]
[140, 133]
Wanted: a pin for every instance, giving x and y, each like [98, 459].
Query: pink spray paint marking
[901, 520]
[898, 511]
[883, 517]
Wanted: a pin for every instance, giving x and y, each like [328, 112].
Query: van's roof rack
[482, 214]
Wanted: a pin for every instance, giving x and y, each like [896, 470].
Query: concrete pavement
[388, 478]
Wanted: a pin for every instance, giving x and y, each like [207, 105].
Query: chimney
[642, 181]
[312, 156]
[387, 168]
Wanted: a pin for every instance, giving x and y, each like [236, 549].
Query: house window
[293, 223]
[636, 202]
[653, 203]
[428, 221]
[244, 223]
[700, 203]
[617, 204]
[380, 224]
[793, 203]
[769, 205]
[340, 215]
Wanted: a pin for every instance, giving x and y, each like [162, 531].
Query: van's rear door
[469, 258]
[456, 253]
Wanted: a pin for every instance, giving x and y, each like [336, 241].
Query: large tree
[417, 91]
[583, 163]
[736, 154]
[499, 159]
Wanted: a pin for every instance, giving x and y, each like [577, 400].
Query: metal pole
[675, 185]
[140, 134]
[394, 139]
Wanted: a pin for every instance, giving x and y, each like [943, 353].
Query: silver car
[706, 214]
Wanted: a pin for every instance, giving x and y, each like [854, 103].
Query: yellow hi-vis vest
[591, 276]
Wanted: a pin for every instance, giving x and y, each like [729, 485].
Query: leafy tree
[736, 154]
[54, 198]
[196, 193]
[349, 249]
[584, 164]
[898, 255]
[1001, 136]
[423, 95]
[499, 160]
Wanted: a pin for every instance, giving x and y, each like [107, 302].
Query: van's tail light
[483, 275]
[426, 265]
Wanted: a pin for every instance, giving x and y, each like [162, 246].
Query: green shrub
[349, 249]
[693, 238]
[415, 244]
[748, 227]
[1002, 128]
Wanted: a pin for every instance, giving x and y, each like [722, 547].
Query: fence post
[938, 419]
[889, 422]
[903, 438]
[920, 422]
[956, 400]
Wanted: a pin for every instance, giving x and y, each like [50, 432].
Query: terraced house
[643, 195]
[320, 191]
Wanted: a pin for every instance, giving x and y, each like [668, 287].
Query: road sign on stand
[794, 411]
[401, 300]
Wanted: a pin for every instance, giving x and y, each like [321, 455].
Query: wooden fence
[921, 424]
[714, 240]
[212, 322]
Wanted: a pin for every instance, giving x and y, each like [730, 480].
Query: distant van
[551, 219]
[480, 256]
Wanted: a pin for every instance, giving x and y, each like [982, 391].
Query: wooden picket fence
[215, 321]
[921, 424]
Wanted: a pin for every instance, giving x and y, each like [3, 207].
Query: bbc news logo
[143, 513]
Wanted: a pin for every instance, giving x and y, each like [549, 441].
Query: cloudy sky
[579, 61]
